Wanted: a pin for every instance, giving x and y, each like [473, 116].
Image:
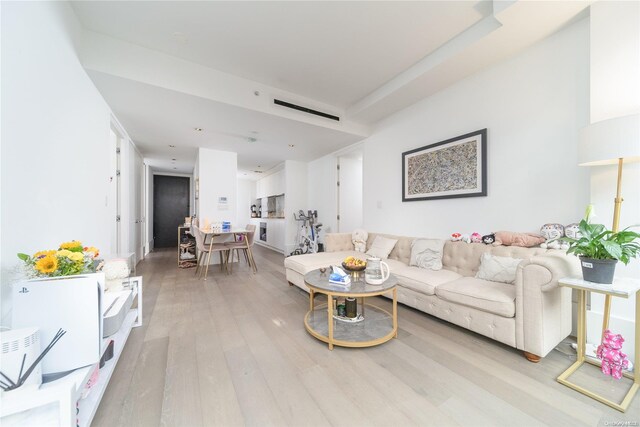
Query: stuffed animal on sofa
[476, 238]
[359, 239]
[511, 238]
[572, 231]
[551, 233]
[610, 352]
[466, 238]
[456, 237]
[488, 239]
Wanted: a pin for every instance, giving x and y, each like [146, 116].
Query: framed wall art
[456, 167]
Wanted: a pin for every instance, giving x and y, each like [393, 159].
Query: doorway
[350, 191]
[115, 189]
[170, 207]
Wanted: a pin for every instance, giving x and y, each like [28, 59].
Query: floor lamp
[609, 142]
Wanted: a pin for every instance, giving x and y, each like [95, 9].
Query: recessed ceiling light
[173, 160]
[255, 132]
[251, 139]
[172, 146]
[257, 171]
[198, 129]
[175, 168]
[256, 93]
[291, 145]
[259, 166]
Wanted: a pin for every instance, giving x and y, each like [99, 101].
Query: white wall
[322, 192]
[350, 192]
[55, 130]
[615, 92]
[295, 199]
[533, 106]
[217, 171]
[246, 198]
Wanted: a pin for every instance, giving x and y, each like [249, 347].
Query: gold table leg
[395, 312]
[330, 320]
[582, 339]
[311, 297]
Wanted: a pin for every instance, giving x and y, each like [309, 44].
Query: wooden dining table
[210, 234]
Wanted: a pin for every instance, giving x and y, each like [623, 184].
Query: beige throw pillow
[381, 247]
[498, 268]
[427, 253]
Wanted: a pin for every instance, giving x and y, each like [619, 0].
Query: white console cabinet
[60, 402]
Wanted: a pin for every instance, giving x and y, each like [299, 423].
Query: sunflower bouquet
[70, 258]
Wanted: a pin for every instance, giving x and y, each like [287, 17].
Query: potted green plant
[600, 250]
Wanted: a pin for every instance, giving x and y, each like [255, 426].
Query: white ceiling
[157, 118]
[168, 67]
[335, 52]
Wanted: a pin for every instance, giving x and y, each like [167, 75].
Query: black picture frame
[428, 155]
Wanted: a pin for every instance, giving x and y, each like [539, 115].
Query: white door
[115, 190]
[350, 192]
[136, 169]
[139, 207]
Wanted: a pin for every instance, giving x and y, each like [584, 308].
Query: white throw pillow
[381, 247]
[498, 268]
[427, 253]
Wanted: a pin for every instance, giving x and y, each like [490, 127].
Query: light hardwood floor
[233, 351]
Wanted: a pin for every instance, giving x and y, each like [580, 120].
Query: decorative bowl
[353, 268]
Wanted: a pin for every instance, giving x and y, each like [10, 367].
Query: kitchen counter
[275, 233]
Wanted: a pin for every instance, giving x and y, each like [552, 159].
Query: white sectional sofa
[533, 314]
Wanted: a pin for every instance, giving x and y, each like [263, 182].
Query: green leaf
[24, 257]
[614, 249]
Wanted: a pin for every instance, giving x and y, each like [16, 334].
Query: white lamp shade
[605, 142]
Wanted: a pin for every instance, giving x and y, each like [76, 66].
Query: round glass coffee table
[375, 326]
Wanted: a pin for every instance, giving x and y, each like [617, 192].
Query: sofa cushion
[423, 280]
[498, 268]
[464, 258]
[308, 262]
[492, 297]
[401, 251]
[381, 247]
[427, 253]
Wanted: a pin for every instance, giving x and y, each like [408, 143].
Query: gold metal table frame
[582, 339]
[331, 294]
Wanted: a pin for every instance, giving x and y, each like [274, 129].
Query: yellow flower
[71, 244]
[47, 265]
[76, 256]
[92, 251]
[43, 253]
[64, 252]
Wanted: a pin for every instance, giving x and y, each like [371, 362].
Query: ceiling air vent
[306, 110]
[257, 171]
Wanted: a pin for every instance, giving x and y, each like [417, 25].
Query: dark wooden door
[170, 207]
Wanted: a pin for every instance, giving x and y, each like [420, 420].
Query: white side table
[621, 288]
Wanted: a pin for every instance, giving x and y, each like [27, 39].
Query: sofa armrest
[338, 242]
[543, 309]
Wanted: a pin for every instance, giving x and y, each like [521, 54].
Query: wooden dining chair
[245, 246]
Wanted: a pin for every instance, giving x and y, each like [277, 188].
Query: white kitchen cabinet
[277, 236]
[260, 190]
[271, 185]
[278, 185]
